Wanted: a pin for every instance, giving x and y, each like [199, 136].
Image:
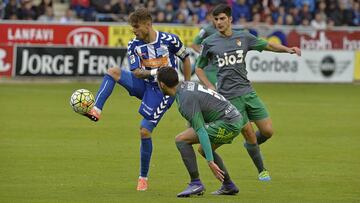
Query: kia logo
[85, 37]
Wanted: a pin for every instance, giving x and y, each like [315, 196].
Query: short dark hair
[168, 76]
[222, 8]
[140, 15]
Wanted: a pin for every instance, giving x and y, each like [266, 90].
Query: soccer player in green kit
[227, 50]
[206, 31]
[214, 121]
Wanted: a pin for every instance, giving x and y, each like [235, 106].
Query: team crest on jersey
[238, 42]
[132, 59]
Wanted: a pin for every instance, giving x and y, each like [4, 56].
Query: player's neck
[172, 91]
[227, 33]
[152, 36]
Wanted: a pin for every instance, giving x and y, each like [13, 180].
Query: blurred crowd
[319, 14]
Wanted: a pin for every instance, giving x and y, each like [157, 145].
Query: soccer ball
[81, 101]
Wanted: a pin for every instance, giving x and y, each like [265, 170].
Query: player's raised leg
[184, 143]
[104, 92]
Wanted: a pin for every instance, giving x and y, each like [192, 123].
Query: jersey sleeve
[133, 57]
[203, 59]
[200, 37]
[256, 43]
[176, 46]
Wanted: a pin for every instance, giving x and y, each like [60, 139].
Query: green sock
[189, 158]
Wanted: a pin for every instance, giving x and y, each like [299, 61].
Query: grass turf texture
[50, 154]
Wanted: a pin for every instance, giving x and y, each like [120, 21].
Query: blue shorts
[154, 103]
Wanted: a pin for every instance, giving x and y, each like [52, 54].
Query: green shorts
[250, 106]
[221, 132]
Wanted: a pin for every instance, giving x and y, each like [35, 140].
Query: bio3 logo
[230, 59]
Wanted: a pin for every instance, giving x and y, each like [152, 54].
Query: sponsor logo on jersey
[155, 62]
[230, 59]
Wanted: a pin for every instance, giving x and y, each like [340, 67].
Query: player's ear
[230, 18]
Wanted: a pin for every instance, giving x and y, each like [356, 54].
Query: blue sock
[105, 91]
[145, 156]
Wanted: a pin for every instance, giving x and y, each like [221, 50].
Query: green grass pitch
[50, 154]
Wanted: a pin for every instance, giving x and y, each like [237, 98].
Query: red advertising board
[76, 35]
[325, 40]
[6, 60]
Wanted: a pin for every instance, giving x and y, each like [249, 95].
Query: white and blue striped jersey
[162, 52]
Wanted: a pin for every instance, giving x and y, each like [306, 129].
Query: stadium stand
[319, 14]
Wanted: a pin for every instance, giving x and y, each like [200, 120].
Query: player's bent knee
[268, 132]
[201, 151]
[179, 138]
[114, 72]
[145, 133]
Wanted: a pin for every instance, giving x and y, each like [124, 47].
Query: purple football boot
[227, 189]
[194, 188]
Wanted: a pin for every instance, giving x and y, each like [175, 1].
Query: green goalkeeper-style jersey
[228, 54]
[200, 105]
[204, 33]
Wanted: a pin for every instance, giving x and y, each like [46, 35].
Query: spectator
[355, 13]
[68, 17]
[305, 12]
[28, 10]
[41, 8]
[310, 3]
[11, 9]
[151, 7]
[240, 8]
[180, 18]
[183, 8]
[194, 19]
[101, 6]
[122, 10]
[295, 14]
[81, 7]
[48, 16]
[318, 22]
[202, 12]
[279, 21]
[160, 17]
[169, 13]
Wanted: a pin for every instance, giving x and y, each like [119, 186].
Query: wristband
[153, 72]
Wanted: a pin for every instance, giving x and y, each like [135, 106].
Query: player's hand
[218, 173]
[295, 50]
[211, 87]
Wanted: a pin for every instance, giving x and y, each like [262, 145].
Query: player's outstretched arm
[206, 147]
[141, 73]
[187, 68]
[202, 77]
[283, 49]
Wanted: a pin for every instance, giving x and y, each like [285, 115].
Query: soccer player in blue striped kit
[147, 52]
